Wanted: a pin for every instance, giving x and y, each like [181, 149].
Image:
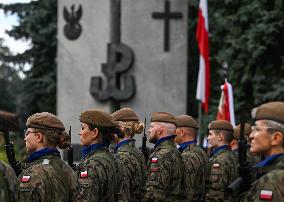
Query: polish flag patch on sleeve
[154, 160]
[25, 178]
[216, 165]
[266, 195]
[83, 174]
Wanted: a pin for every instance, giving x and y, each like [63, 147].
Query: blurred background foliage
[247, 36]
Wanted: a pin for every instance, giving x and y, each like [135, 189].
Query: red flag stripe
[203, 89]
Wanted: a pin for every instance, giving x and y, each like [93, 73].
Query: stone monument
[121, 53]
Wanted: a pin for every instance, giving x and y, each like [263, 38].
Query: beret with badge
[269, 111]
[125, 114]
[220, 125]
[46, 121]
[163, 117]
[98, 118]
[186, 121]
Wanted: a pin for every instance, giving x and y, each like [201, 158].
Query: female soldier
[46, 177]
[98, 169]
[128, 154]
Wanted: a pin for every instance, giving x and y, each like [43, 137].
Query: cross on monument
[167, 16]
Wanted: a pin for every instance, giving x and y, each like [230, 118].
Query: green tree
[38, 23]
[9, 83]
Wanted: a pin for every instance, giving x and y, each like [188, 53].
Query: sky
[6, 23]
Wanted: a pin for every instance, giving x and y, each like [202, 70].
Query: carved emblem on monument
[118, 87]
[73, 29]
[167, 16]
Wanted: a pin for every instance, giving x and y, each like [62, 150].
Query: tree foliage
[38, 23]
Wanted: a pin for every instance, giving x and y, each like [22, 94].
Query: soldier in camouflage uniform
[195, 158]
[222, 163]
[128, 154]
[165, 179]
[8, 183]
[252, 158]
[267, 139]
[45, 176]
[98, 171]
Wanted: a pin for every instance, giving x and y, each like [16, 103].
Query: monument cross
[167, 16]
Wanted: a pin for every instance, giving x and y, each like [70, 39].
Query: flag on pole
[226, 104]
[203, 84]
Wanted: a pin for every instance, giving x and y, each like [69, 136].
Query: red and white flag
[226, 104]
[203, 84]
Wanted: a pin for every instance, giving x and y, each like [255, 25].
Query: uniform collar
[184, 145]
[91, 148]
[269, 160]
[164, 139]
[40, 153]
[120, 144]
[219, 149]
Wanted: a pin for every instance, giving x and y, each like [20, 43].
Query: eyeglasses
[28, 132]
[257, 129]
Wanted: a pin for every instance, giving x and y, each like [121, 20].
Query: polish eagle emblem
[72, 28]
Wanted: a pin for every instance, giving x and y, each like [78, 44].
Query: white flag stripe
[200, 93]
[203, 6]
[231, 104]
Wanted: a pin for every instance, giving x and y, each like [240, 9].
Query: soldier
[222, 164]
[252, 158]
[165, 179]
[46, 177]
[8, 183]
[267, 139]
[194, 157]
[98, 169]
[129, 155]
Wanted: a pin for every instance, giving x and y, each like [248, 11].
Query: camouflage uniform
[133, 160]
[8, 183]
[48, 178]
[98, 176]
[223, 171]
[165, 179]
[196, 162]
[269, 185]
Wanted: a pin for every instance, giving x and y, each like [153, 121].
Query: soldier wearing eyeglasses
[45, 176]
[267, 139]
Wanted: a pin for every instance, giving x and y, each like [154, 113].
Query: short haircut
[170, 126]
[276, 126]
[228, 135]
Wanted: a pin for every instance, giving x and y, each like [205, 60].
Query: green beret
[269, 111]
[220, 125]
[45, 120]
[125, 114]
[237, 131]
[186, 121]
[98, 118]
[163, 117]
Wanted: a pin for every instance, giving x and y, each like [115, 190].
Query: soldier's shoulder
[223, 157]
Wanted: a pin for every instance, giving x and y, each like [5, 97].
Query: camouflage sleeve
[8, 183]
[159, 178]
[267, 188]
[91, 179]
[124, 178]
[74, 186]
[217, 181]
[34, 185]
[190, 172]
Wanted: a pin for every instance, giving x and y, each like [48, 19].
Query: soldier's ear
[39, 137]
[95, 133]
[277, 139]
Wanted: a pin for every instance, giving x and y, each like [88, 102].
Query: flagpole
[200, 122]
